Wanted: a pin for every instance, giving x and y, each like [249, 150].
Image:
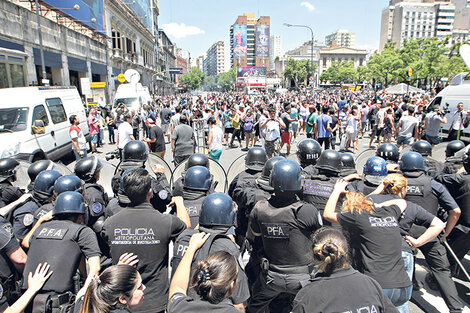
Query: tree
[194, 78]
[298, 70]
[227, 80]
[209, 82]
[340, 73]
[385, 66]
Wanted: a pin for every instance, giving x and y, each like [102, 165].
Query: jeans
[77, 155]
[111, 133]
[324, 140]
[398, 296]
[409, 265]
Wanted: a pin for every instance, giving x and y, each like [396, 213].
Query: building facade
[275, 49]
[249, 41]
[341, 38]
[328, 56]
[214, 63]
[165, 82]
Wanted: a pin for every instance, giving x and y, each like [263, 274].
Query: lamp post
[311, 45]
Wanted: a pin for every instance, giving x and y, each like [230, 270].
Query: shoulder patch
[7, 227]
[28, 219]
[97, 207]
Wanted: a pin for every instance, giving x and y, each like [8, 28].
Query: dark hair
[331, 111]
[213, 276]
[325, 109]
[178, 109]
[136, 185]
[183, 119]
[127, 116]
[330, 250]
[211, 120]
[102, 295]
[72, 118]
[411, 109]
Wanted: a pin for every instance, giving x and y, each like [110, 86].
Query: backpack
[248, 125]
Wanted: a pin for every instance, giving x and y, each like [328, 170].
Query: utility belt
[299, 269]
[52, 302]
[12, 288]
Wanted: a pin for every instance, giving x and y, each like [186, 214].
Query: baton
[462, 268]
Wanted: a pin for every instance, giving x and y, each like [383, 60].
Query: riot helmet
[198, 178]
[388, 152]
[453, 147]
[69, 202]
[255, 159]
[422, 147]
[308, 152]
[375, 166]
[39, 166]
[68, 183]
[267, 169]
[347, 161]
[285, 176]
[87, 168]
[330, 160]
[8, 168]
[135, 151]
[466, 161]
[44, 183]
[217, 210]
[197, 159]
[412, 161]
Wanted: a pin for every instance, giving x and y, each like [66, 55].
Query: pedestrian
[272, 133]
[235, 119]
[286, 135]
[335, 276]
[125, 133]
[136, 121]
[407, 126]
[214, 140]
[459, 120]
[334, 127]
[182, 141]
[228, 128]
[364, 121]
[353, 124]
[175, 119]
[93, 125]
[248, 127]
[323, 127]
[310, 122]
[294, 115]
[156, 138]
[78, 139]
[165, 117]
[111, 126]
[432, 125]
[388, 125]
[303, 113]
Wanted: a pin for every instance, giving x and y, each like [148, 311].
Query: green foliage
[298, 70]
[193, 79]
[209, 81]
[227, 80]
[340, 72]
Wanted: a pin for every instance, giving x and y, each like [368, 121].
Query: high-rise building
[341, 38]
[424, 18]
[249, 41]
[275, 49]
[214, 63]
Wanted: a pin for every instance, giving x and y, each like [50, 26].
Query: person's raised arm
[8, 208]
[181, 211]
[94, 266]
[42, 219]
[329, 214]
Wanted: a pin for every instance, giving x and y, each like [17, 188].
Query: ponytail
[330, 250]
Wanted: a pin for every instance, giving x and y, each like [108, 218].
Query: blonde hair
[394, 184]
[330, 250]
[357, 202]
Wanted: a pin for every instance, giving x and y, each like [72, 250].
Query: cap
[312, 106]
[149, 121]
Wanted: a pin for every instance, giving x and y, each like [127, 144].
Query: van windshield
[13, 119]
[129, 102]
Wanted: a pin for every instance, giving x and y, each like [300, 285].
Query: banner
[239, 40]
[251, 71]
[262, 41]
[90, 12]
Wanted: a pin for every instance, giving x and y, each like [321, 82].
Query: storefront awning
[11, 45]
[98, 68]
[76, 64]
[51, 59]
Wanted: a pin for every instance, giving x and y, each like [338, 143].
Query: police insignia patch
[97, 208]
[28, 219]
[8, 228]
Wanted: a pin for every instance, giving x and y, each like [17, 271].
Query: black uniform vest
[433, 167]
[317, 190]
[180, 247]
[452, 165]
[194, 209]
[364, 187]
[463, 200]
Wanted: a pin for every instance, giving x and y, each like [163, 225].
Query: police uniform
[8, 273]
[308, 171]
[24, 219]
[180, 302]
[97, 200]
[452, 165]
[285, 226]
[114, 206]
[192, 202]
[246, 178]
[42, 210]
[433, 167]
[428, 193]
[364, 186]
[9, 193]
[317, 189]
[145, 232]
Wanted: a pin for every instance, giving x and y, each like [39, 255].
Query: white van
[448, 98]
[134, 96]
[34, 121]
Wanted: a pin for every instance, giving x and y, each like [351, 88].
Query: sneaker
[245, 149]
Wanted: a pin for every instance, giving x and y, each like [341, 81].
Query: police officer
[433, 167]
[197, 183]
[144, 231]
[42, 193]
[135, 154]
[254, 162]
[389, 152]
[36, 168]
[348, 165]
[119, 202]
[197, 159]
[62, 242]
[8, 192]
[453, 161]
[428, 193]
[375, 171]
[217, 218]
[285, 226]
[317, 188]
[88, 169]
[308, 152]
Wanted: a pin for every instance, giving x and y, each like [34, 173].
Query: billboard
[262, 41]
[239, 40]
[143, 11]
[91, 12]
[251, 71]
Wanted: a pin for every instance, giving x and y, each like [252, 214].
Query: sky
[195, 25]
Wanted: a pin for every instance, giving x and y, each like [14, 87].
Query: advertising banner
[251, 71]
[91, 12]
[262, 41]
[239, 40]
[143, 11]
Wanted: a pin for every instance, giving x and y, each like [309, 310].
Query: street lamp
[311, 43]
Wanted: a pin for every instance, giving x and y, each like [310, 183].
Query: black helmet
[197, 159]
[69, 202]
[412, 161]
[255, 159]
[330, 160]
[388, 152]
[308, 152]
[347, 161]
[375, 166]
[268, 167]
[217, 210]
[285, 176]
[422, 147]
[198, 178]
[136, 151]
[39, 166]
[87, 168]
[453, 147]
[45, 181]
[67, 183]
[8, 168]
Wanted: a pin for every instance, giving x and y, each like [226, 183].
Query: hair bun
[330, 251]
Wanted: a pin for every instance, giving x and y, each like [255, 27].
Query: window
[17, 75]
[3, 76]
[12, 72]
[39, 113]
[56, 109]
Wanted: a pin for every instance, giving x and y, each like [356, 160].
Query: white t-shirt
[81, 140]
[408, 123]
[352, 124]
[124, 133]
[217, 134]
[272, 131]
